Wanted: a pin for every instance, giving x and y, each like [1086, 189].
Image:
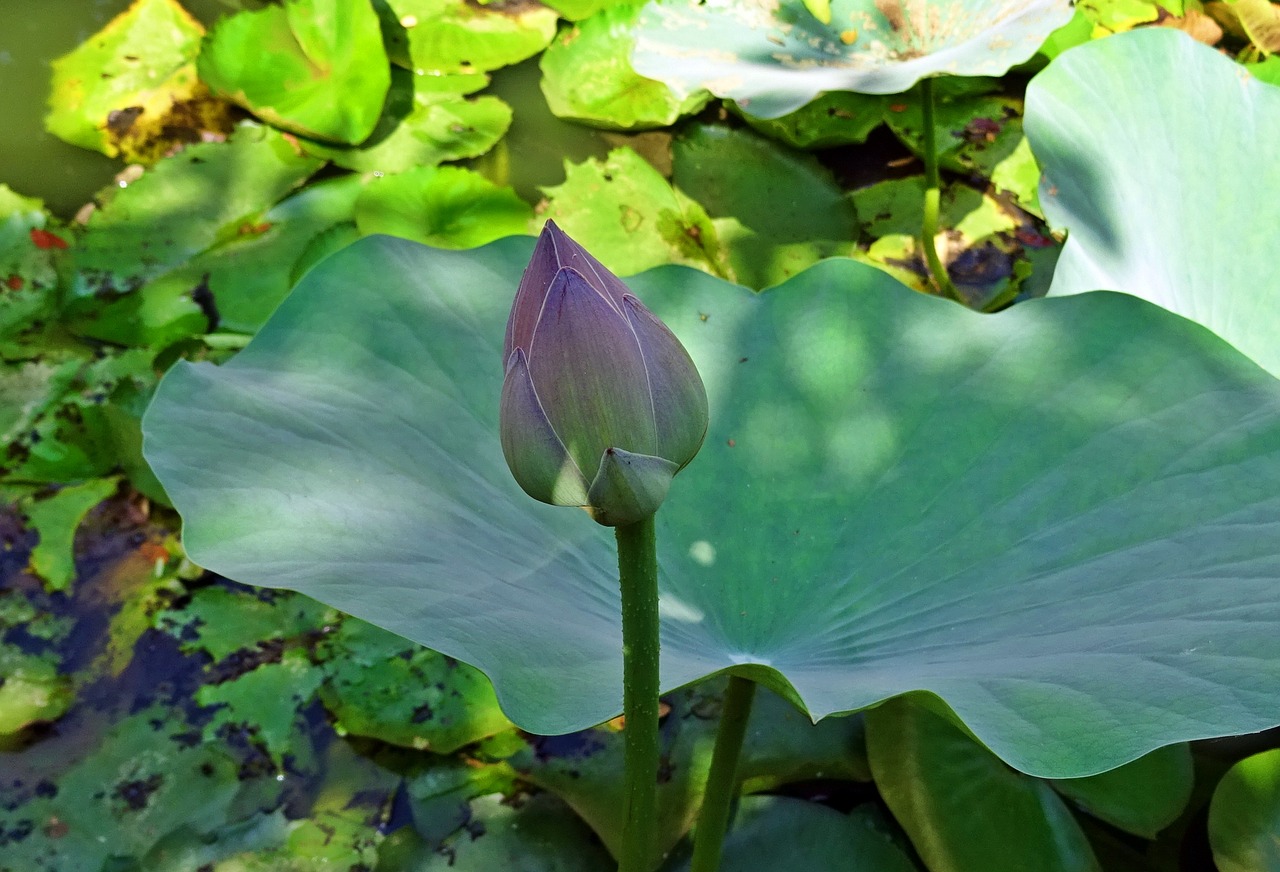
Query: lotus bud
[601, 404]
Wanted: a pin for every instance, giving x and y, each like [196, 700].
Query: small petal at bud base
[629, 487]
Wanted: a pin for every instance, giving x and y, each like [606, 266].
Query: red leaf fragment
[44, 239]
[13, 282]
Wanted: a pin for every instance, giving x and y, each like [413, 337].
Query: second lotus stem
[932, 196]
[722, 782]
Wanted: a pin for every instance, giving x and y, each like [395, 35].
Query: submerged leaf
[1108, 474]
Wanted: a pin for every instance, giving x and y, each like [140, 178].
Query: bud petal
[629, 487]
[679, 398]
[590, 373]
[538, 459]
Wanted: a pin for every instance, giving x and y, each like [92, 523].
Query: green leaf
[314, 67]
[426, 121]
[379, 685]
[448, 207]
[221, 621]
[265, 700]
[29, 255]
[1137, 212]
[1141, 797]
[832, 119]
[250, 273]
[587, 77]
[144, 780]
[131, 88]
[179, 208]
[1244, 817]
[782, 746]
[1045, 568]
[1115, 16]
[774, 832]
[630, 217]
[457, 36]
[775, 211]
[31, 692]
[963, 808]
[540, 834]
[56, 518]
[774, 57]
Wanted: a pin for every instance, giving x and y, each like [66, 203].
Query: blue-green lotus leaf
[1062, 519]
[1158, 158]
[773, 56]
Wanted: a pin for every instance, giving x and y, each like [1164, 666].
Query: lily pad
[303, 53]
[1104, 461]
[630, 217]
[587, 77]
[448, 207]
[31, 691]
[1141, 797]
[772, 58]
[132, 89]
[56, 518]
[379, 685]
[1136, 214]
[775, 211]
[832, 119]
[427, 120]
[215, 187]
[459, 36]
[1244, 817]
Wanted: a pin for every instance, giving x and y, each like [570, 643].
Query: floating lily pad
[457, 36]
[56, 517]
[145, 780]
[448, 207]
[1244, 817]
[775, 212]
[32, 691]
[630, 217]
[772, 58]
[1136, 215]
[427, 120]
[379, 685]
[832, 119]
[132, 89]
[214, 187]
[314, 67]
[587, 77]
[1102, 459]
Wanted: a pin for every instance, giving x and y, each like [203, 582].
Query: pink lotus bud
[601, 405]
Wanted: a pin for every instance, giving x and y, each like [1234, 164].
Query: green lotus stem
[638, 573]
[932, 195]
[722, 781]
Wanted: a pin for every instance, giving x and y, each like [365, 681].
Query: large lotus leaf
[773, 57]
[1062, 520]
[315, 67]
[1157, 158]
